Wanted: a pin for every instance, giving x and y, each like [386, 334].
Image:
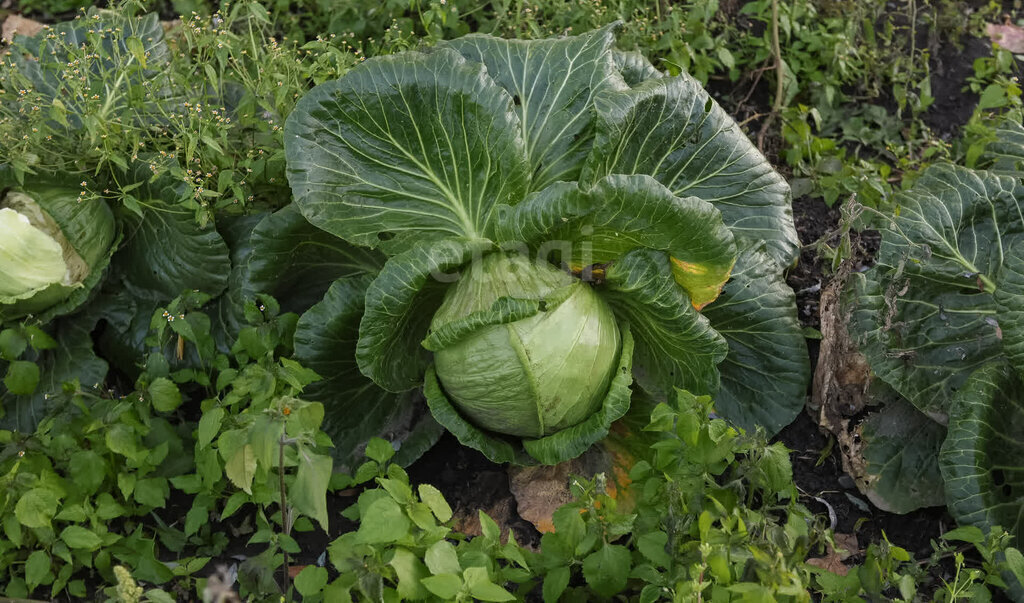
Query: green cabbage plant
[54, 247]
[561, 224]
[940, 320]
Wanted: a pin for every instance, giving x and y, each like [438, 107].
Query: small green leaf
[435, 500]
[12, 344]
[410, 571]
[652, 546]
[384, 521]
[37, 566]
[481, 587]
[152, 491]
[164, 394]
[607, 568]
[78, 537]
[22, 377]
[308, 493]
[311, 580]
[87, 470]
[441, 558]
[379, 450]
[242, 468]
[209, 425]
[970, 534]
[36, 508]
[555, 583]
[445, 586]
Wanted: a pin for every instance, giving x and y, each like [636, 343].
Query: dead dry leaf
[1010, 37]
[846, 546]
[18, 25]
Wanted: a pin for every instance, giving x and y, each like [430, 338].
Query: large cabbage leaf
[765, 374]
[982, 459]
[553, 84]
[925, 316]
[670, 128]
[409, 144]
[355, 409]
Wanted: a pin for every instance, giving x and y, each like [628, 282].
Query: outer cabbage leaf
[672, 129]
[403, 145]
[553, 84]
[765, 374]
[675, 344]
[925, 317]
[400, 304]
[72, 359]
[1005, 154]
[619, 214]
[982, 459]
[1009, 300]
[355, 409]
[296, 262]
[555, 448]
[166, 254]
[901, 458]
[227, 312]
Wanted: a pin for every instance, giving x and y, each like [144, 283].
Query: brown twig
[779, 80]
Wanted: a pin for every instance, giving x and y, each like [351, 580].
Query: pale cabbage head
[535, 376]
[52, 247]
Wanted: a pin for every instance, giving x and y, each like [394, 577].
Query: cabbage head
[534, 376]
[53, 249]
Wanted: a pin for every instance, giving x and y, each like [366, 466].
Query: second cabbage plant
[561, 224]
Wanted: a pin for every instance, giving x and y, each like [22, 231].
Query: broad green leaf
[765, 374]
[925, 316]
[607, 568]
[652, 546]
[698, 151]
[441, 558]
[87, 470]
[37, 566]
[296, 262]
[384, 521]
[406, 145]
[573, 441]
[311, 580]
[410, 571]
[72, 359]
[445, 586]
[553, 84]
[400, 304]
[981, 458]
[900, 448]
[619, 214]
[241, 468]
[675, 345]
[78, 537]
[36, 507]
[1009, 305]
[308, 493]
[22, 377]
[164, 394]
[481, 587]
[356, 409]
[167, 254]
[436, 501]
[554, 584]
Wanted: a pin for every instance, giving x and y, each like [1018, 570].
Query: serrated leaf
[37, 566]
[36, 507]
[77, 537]
[554, 584]
[164, 394]
[383, 522]
[607, 568]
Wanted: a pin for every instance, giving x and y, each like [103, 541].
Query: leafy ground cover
[193, 411]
